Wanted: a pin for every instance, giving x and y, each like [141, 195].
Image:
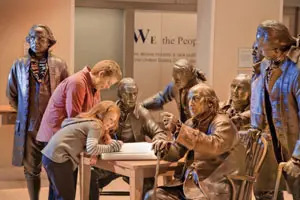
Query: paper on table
[132, 151]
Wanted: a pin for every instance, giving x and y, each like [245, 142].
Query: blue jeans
[62, 177]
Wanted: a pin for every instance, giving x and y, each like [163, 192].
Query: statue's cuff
[187, 137]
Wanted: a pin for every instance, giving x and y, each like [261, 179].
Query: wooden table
[4, 109]
[8, 114]
[135, 170]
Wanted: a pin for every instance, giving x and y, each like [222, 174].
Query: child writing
[87, 132]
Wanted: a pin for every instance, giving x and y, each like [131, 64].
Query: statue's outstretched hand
[169, 121]
[292, 168]
[161, 146]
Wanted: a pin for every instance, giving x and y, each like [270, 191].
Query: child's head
[106, 111]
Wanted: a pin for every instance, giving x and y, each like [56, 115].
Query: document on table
[132, 151]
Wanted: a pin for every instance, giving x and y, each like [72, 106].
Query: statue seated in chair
[238, 105]
[213, 150]
[134, 125]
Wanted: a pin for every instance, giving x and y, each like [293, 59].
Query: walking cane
[156, 175]
[279, 173]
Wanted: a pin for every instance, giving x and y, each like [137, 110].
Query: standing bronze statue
[31, 82]
[135, 124]
[257, 57]
[238, 106]
[277, 103]
[264, 186]
[185, 76]
[213, 150]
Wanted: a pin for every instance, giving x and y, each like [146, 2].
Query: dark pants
[32, 165]
[166, 193]
[101, 178]
[267, 195]
[62, 178]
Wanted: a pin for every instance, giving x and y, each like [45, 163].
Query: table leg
[136, 184]
[85, 177]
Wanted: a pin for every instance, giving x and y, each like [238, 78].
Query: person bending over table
[87, 132]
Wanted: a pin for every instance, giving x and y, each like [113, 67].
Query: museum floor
[13, 186]
[14, 189]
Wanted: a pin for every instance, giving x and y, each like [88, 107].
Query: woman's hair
[100, 110]
[50, 35]
[109, 67]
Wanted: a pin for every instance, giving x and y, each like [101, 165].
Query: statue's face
[197, 104]
[129, 95]
[267, 48]
[181, 76]
[257, 54]
[39, 42]
[240, 90]
[269, 51]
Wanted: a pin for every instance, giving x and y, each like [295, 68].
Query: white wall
[170, 37]
[16, 18]
[98, 36]
[233, 25]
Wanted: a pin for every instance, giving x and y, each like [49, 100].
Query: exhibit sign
[161, 38]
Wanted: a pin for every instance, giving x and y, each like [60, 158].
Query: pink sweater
[72, 96]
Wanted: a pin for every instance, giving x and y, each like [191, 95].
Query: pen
[116, 137]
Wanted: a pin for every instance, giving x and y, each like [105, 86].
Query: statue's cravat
[274, 72]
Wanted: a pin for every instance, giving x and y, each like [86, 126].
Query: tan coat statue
[213, 150]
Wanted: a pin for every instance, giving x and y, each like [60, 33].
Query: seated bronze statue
[134, 125]
[238, 105]
[212, 146]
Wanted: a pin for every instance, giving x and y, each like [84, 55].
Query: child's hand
[106, 139]
[93, 160]
[116, 145]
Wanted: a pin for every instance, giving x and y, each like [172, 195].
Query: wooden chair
[242, 185]
[279, 173]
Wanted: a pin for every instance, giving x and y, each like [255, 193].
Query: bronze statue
[257, 57]
[135, 124]
[213, 150]
[31, 82]
[185, 76]
[238, 106]
[277, 102]
[264, 186]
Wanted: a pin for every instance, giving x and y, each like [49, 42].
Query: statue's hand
[252, 132]
[169, 121]
[237, 121]
[161, 146]
[291, 168]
